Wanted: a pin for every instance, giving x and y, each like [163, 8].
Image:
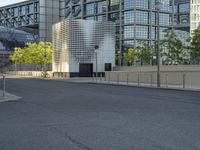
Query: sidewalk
[102, 81]
[7, 97]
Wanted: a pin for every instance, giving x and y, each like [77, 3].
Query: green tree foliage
[131, 56]
[145, 53]
[173, 48]
[195, 46]
[33, 53]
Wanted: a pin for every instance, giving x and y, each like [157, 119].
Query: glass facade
[25, 14]
[9, 39]
[195, 15]
[135, 19]
[180, 17]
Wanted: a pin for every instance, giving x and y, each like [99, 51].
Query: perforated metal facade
[74, 43]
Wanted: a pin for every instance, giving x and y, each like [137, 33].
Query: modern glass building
[9, 39]
[195, 15]
[35, 16]
[135, 19]
[180, 14]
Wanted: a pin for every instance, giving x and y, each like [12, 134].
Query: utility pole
[45, 58]
[158, 42]
[96, 51]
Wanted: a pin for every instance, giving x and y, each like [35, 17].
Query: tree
[172, 48]
[145, 53]
[32, 53]
[195, 46]
[131, 56]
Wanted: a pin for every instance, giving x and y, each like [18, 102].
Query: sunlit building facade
[195, 15]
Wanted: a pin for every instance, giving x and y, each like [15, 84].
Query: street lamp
[45, 58]
[158, 42]
[96, 47]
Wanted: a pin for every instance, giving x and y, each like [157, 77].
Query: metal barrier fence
[168, 79]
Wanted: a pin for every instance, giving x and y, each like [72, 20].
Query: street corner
[8, 97]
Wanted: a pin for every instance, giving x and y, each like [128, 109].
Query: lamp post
[158, 42]
[45, 58]
[96, 51]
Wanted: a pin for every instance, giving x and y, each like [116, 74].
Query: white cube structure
[74, 44]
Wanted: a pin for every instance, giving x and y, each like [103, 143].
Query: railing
[175, 79]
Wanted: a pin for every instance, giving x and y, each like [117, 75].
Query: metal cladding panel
[74, 43]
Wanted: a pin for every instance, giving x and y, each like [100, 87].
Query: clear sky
[7, 2]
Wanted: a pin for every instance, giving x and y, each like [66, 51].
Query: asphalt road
[54, 115]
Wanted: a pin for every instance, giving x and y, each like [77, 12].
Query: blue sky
[7, 2]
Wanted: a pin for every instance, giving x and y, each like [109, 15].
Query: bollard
[127, 78]
[109, 78]
[151, 80]
[138, 79]
[184, 80]
[166, 80]
[92, 77]
[101, 76]
[4, 85]
[118, 78]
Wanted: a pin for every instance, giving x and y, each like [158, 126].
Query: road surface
[55, 115]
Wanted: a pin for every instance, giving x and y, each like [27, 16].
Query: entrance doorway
[85, 70]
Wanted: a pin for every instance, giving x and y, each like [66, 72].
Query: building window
[101, 7]
[128, 17]
[128, 32]
[141, 4]
[114, 17]
[90, 9]
[184, 19]
[142, 17]
[114, 5]
[184, 8]
[142, 32]
[128, 4]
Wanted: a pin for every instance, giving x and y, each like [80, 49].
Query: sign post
[96, 51]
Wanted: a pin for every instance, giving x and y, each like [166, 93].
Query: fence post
[138, 79]
[166, 79]
[4, 85]
[92, 77]
[108, 77]
[117, 77]
[127, 79]
[151, 80]
[184, 80]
